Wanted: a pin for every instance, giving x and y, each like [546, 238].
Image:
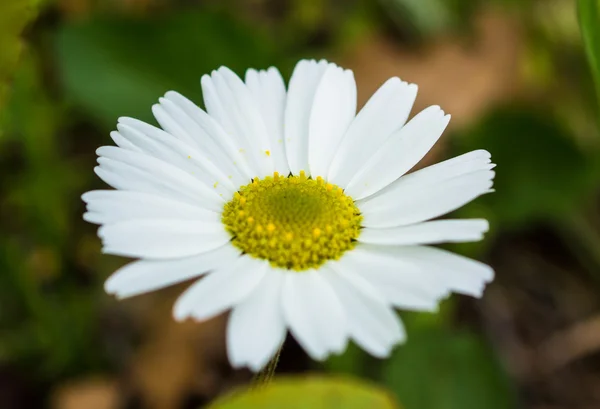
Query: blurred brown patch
[88, 393]
[179, 361]
[465, 77]
[541, 315]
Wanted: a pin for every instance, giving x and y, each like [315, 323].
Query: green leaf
[315, 392]
[589, 21]
[352, 361]
[541, 174]
[14, 16]
[121, 66]
[440, 369]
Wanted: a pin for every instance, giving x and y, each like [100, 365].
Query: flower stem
[265, 376]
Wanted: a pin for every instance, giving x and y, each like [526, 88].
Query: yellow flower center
[295, 222]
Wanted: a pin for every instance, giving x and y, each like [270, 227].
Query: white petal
[385, 112]
[215, 100]
[301, 92]
[111, 206]
[268, 90]
[402, 282]
[314, 314]
[457, 273]
[372, 323]
[256, 328]
[437, 231]
[213, 139]
[161, 238]
[239, 115]
[251, 120]
[163, 146]
[221, 289]
[427, 202]
[448, 169]
[170, 125]
[177, 122]
[333, 110]
[122, 142]
[205, 148]
[125, 177]
[403, 150]
[425, 182]
[161, 173]
[144, 276]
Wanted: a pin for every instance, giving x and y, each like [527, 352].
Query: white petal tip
[485, 226]
[102, 234]
[255, 369]
[170, 94]
[382, 354]
[89, 217]
[224, 70]
[475, 293]
[339, 349]
[180, 314]
[110, 287]
[484, 153]
[320, 358]
[256, 366]
[123, 119]
[205, 79]
[274, 71]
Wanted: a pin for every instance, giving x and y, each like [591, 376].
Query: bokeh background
[514, 76]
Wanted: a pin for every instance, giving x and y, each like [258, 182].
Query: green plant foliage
[431, 17]
[353, 361]
[589, 20]
[47, 318]
[314, 392]
[440, 369]
[120, 67]
[14, 16]
[542, 174]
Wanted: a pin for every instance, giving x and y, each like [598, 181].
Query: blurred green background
[514, 75]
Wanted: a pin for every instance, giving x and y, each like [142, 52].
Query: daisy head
[297, 210]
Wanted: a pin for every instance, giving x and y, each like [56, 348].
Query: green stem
[265, 376]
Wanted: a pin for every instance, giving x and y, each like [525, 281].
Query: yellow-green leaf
[14, 16]
[589, 21]
[315, 392]
[115, 66]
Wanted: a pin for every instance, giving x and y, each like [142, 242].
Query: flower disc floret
[295, 222]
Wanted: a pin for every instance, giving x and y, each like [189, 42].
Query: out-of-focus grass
[589, 16]
[14, 16]
[119, 66]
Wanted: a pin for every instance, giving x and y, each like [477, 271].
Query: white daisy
[298, 210]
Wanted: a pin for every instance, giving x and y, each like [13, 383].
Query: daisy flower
[297, 211]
